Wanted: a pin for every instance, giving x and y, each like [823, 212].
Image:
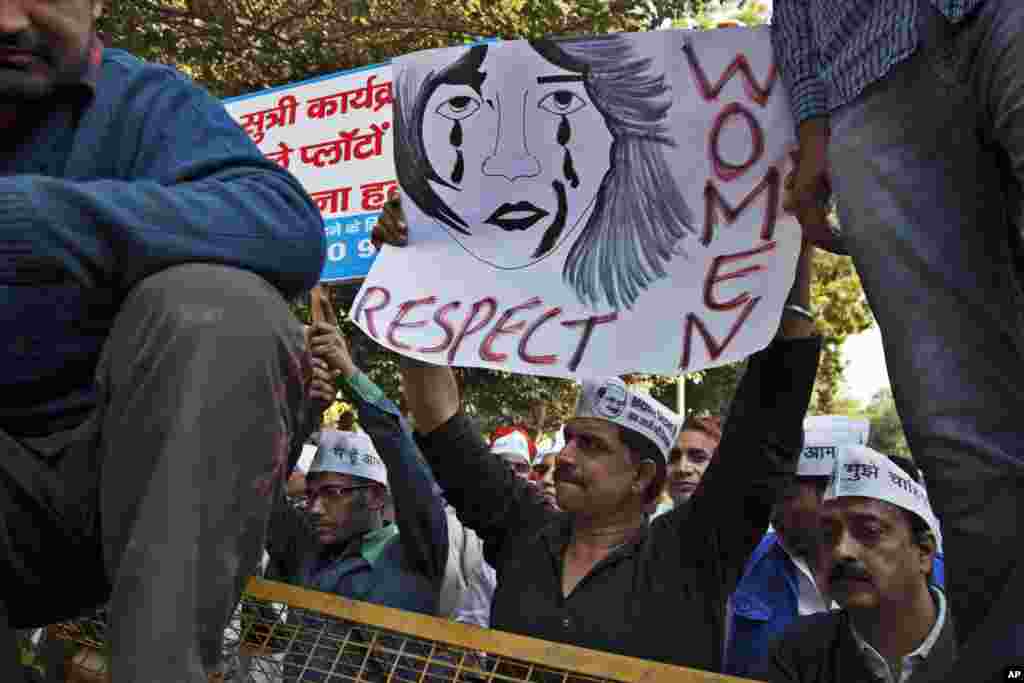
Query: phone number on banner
[350, 252]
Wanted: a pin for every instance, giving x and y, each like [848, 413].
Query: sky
[865, 365]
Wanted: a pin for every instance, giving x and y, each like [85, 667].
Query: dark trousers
[157, 505]
[928, 167]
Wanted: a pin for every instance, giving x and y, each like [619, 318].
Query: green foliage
[843, 311]
[235, 47]
[886, 428]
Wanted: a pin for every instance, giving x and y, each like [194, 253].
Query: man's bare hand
[322, 390]
[327, 344]
[808, 188]
[391, 227]
[296, 486]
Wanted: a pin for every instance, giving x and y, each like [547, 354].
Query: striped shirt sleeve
[797, 57]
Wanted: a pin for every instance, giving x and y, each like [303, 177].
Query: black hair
[641, 448]
[920, 533]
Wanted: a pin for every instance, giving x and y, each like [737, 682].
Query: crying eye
[458, 107]
[562, 102]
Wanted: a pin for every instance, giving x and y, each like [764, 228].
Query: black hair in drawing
[639, 214]
[413, 167]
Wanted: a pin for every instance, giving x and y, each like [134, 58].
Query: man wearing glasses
[341, 543]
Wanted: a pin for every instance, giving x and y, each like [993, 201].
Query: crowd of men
[158, 390]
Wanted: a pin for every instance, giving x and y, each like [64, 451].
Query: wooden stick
[321, 306]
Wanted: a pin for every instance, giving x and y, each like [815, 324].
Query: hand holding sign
[391, 227]
[327, 343]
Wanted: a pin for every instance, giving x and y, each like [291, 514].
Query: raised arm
[419, 509]
[193, 188]
[488, 497]
[761, 440]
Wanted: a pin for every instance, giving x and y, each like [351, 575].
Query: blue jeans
[158, 504]
[928, 169]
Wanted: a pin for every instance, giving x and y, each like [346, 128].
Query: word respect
[456, 324]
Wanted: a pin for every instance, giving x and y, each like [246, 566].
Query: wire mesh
[272, 640]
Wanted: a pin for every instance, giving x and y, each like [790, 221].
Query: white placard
[589, 207]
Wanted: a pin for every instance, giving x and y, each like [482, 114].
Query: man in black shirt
[596, 574]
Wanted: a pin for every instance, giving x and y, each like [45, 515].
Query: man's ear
[97, 8]
[646, 472]
[927, 548]
[376, 497]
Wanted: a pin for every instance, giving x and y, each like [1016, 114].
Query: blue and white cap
[610, 399]
[350, 453]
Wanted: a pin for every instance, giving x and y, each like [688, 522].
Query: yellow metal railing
[283, 633]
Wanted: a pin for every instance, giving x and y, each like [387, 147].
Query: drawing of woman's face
[523, 164]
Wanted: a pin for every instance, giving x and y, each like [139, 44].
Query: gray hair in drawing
[570, 145]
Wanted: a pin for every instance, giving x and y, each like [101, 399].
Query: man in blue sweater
[153, 378]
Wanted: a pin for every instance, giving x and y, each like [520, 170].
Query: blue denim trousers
[157, 505]
[928, 168]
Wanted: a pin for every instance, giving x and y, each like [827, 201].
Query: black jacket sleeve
[488, 497]
[756, 458]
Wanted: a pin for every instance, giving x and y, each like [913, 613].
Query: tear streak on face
[521, 165]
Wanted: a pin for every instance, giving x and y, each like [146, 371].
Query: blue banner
[350, 252]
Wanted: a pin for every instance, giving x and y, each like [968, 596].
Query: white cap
[306, 458]
[823, 434]
[514, 443]
[860, 471]
[609, 399]
[844, 429]
[349, 453]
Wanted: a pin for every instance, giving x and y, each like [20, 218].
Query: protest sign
[334, 134]
[588, 206]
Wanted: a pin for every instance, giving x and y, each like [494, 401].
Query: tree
[887, 434]
[842, 309]
[234, 47]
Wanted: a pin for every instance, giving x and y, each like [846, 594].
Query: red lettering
[588, 325]
[714, 277]
[715, 349]
[403, 310]
[362, 308]
[723, 169]
[754, 90]
[467, 330]
[486, 353]
[525, 355]
[712, 196]
[442, 322]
